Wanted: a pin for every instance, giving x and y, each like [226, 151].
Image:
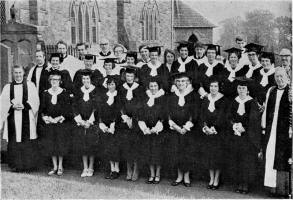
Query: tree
[231, 27]
[284, 27]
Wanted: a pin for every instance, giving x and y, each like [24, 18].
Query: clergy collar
[105, 54]
[64, 56]
[283, 88]
[41, 65]
[17, 82]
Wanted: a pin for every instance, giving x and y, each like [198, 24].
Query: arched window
[73, 25]
[80, 25]
[87, 26]
[85, 18]
[149, 20]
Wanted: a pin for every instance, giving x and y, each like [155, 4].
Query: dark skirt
[130, 142]
[244, 159]
[111, 146]
[56, 139]
[181, 150]
[85, 141]
[153, 148]
[23, 155]
[212, 151]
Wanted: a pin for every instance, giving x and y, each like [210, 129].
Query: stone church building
[130, 22]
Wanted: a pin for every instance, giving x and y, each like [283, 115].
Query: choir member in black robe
[150, 122]
[144, 55]
[55, 61]
[18, 115]
[109, 69]
[212, 123]
[183, 111]
[152, 68]
[165, 70]
[199, 53]
[186, 64]
[245, 133]
[130, 94]
[209, 70]
[85, 132]
[109, 111]
[56, 113]
[264, 78]
[231, 71]
[277, 130]
[38, 75]
[88, 65]
[249, 71]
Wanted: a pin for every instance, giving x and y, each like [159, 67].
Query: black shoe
[215, 187]
[114, 175]
[108, 176]
[174, 183]
[246, 191]
[187, 184]
[157, 180]
[150, 180]
[209, 186]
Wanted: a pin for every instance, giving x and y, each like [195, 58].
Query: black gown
[130, 138]
[85, 141]
[191, 68]
[262, 90]
[166, 79]
[218, 73]
[213, 148]
[108, 114]
[245, 148]
[56, 137]
[152, 145]
[183, 149]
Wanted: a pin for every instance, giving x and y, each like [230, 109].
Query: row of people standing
[202, 84]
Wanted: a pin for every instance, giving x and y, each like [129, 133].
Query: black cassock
[245, 148]
[183, 149]
[77, 80]
[56, 137]
[108, 114]
[130, 138]
[166, 79]
[283, 149]
[85, 141]
[43, 81]
[191, 68]
[218, 73]
[213, 145]
[152, 145]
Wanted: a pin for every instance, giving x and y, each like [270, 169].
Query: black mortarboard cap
[253, 47]
[142, 46]
[86, 72]
[108, 59]
[183, 43]
[180, 75]
[215, 47]
[155, 49]
[55, 72]
[199, 44]
[130, 69]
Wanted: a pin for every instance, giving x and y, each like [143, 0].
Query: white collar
[152, 97]
[181, 96]
[54, 94]
[154, 68]
[111, 96]
[241, 106]
[213, 100]
[86, 92]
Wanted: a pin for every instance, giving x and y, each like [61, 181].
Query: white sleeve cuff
[188, 125]
[202, 92]
[112, 127]
[171, 124]
[103, 127]
[159, 127]
[92, 119]
[124, 117]
[77, 119]
[142, 125]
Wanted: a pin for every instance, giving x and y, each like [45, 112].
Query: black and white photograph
[146, 99]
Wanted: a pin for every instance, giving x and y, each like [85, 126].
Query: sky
[218, 10]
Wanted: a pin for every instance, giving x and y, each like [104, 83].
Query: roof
[186, 17]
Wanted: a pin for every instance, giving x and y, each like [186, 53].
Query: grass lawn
[38, 185]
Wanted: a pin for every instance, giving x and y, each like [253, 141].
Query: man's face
[88, 63]
[240, 44]
[286, 60]
[104, 45]
[81, 50]
[281, 78]
[199, 51]
[18, 74]
[62, 49]
[40, 58]
[252, 57]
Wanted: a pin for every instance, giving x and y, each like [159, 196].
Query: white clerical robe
[72, 65]
[33, 101]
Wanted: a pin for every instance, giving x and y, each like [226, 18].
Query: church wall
[204, 35]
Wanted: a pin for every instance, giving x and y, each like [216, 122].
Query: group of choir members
[187, 111]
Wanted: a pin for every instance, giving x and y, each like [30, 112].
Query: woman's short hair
[166, 52]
